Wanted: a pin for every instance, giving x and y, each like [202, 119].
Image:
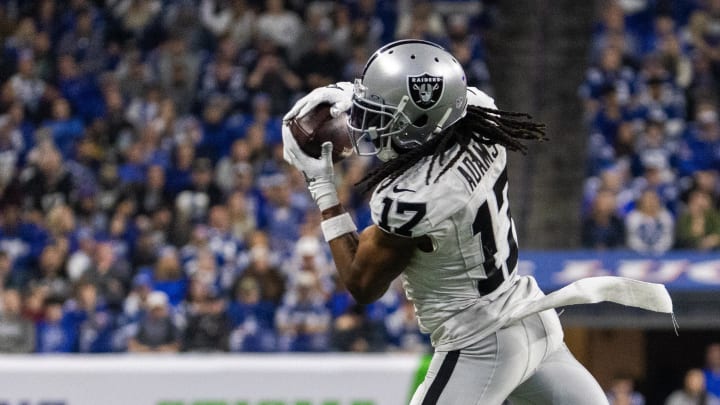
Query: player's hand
[339, 95]
[319, 173]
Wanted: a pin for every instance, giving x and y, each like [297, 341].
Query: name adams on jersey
[476, 163]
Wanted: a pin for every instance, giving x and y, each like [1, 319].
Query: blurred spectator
[712, 369]
[622, 392]
[80, 261]
[84, 43]
[90, 316]
[253, 318]
[22, 240]
[178, 174]
[280, 216]
[654, 144]
[215, 137]
[194, 202]
[698, 227]
[422, 22]
[354, 332]
[208, 326]
[701, 147]
[49, 274]
[223, 243]
[134, 76]
[649, 226]
[693, 391]
[227, 167]
[135, 15]
[271, 76]
[603, 228]
[278, 24]
[321, 65]
[611, 73]
[707, 182]
[175, 67]
[167, 276]
[611, 30]
[309, 258]
[135, 302]
[26, 86]
[156, 331]
[657, 176]
[304, 323]
[110, 273]
[145, 107]
[81, 91]
[224, 84]
[241, 216]
[704, 36]
[234, 19]
[661, 101]
[48, 184]
[268, 276]
[403, 330]
[56, 333]
[151, 195]
[17, 335]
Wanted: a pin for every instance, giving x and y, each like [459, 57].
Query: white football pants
[526, 363]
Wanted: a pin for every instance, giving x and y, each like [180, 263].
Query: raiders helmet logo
[425, 90]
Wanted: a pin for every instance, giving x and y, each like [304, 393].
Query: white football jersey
[466, 214]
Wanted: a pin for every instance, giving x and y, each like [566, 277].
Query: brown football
[317, 127]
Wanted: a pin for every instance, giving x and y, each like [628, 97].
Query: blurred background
[145, 205]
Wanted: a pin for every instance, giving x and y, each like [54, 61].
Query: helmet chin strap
[386, 151]
[441, 123]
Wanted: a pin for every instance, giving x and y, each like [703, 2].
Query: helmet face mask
[410, 91]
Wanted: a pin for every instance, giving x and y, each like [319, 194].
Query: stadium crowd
[651, 105]
[144, 201]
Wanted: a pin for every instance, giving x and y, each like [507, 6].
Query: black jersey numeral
[483, 225]
[402, 207]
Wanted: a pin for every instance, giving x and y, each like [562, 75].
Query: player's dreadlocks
[483, 125]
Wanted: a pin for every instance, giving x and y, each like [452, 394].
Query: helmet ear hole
[420, 121]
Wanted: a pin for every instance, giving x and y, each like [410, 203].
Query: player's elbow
[364, 298]
[364, 293]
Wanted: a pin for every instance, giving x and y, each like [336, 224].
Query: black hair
[482, 125]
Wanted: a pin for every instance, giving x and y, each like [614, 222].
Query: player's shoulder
[413, 205]
[479, 98]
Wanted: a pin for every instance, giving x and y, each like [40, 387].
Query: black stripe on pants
[441, 379]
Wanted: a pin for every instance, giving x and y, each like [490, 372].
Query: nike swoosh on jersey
[397, 189]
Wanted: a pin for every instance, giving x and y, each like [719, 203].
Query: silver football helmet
[410, 91]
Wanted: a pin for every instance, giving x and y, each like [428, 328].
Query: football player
[442, 221]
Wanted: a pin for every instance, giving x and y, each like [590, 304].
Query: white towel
[620, 290]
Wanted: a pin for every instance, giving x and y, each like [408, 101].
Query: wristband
[337, 226]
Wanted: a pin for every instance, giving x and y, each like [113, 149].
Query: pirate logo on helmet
[425, 90]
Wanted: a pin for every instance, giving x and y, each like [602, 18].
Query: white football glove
[319, 173]
[338, 94]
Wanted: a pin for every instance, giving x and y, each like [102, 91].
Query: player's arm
[367, 263]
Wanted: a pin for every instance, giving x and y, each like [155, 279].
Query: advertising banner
[678, 270]
[324, 379]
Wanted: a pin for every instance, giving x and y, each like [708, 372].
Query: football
[317, 127]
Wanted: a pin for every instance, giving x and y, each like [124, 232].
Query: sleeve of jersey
[414, 214]
[479, 98]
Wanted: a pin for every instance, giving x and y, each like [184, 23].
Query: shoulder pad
[479, 98]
